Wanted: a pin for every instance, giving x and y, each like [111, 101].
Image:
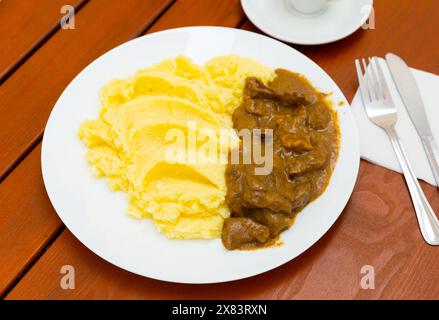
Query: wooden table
[37, 61]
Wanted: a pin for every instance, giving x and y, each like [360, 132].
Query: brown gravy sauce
[305, 149]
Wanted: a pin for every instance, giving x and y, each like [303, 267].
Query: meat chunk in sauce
[241, 232]
[305, 148]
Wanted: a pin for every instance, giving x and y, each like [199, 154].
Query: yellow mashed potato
[127, 142]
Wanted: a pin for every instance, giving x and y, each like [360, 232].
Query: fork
[382, 112]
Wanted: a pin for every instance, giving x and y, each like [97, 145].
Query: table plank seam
[26, 55]
[241, 22]
[32, 145]
[155, 19]
[50, 240]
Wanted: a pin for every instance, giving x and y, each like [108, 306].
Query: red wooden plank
[24, 26]
[27, 220]
[226, 13]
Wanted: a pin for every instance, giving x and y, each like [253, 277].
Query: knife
[409, 92]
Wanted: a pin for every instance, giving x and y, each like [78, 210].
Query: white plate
[338, 20]
[95, 215]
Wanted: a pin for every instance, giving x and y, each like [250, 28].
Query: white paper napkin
[374, 143]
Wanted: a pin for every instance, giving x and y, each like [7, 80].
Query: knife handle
[427, 219]
[432, 151]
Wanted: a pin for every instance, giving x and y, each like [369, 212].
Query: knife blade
[409, 91]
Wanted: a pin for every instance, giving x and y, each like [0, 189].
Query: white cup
[308, 6]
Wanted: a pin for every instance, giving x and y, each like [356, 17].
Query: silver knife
[409, 92]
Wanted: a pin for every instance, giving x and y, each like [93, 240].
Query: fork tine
[368, 80]
[362, 85]
[382, 79]
[377, 86]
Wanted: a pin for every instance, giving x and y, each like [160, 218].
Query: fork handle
[432, 151]
[427, 219]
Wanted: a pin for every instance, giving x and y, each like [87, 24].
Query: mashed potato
[127, 143]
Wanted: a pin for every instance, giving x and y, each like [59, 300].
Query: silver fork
[382, 112]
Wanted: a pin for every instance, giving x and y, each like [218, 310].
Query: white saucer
[339, 19]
